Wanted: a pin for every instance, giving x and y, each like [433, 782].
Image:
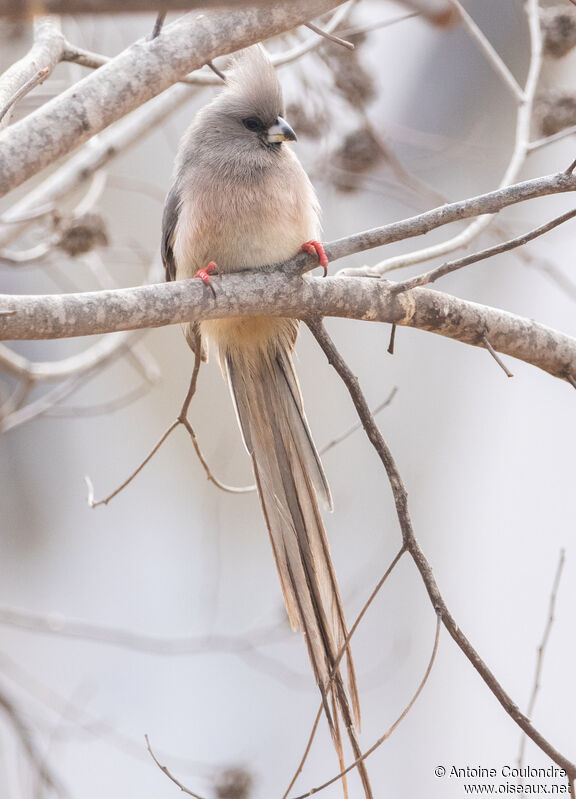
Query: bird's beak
[280, 131]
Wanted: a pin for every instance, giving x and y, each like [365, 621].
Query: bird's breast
[244, 224]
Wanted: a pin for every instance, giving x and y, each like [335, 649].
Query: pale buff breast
[245, 223]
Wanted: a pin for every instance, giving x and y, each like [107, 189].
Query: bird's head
[249, 112]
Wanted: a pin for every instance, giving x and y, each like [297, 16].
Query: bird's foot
[205, 275]
[315, 247]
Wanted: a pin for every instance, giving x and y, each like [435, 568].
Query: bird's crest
[252, 78]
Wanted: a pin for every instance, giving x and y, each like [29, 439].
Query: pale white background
[488, 463]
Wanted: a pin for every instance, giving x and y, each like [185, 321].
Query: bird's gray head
[245, 121]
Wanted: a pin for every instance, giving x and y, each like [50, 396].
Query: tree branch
[413, 548]
[141, 72]
[271, 292]
[44, 54]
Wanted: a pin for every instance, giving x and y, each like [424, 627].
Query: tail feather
[290, 477]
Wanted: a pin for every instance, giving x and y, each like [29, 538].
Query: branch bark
[141, 72]
[25, 8]
[45, 53]
[272, 292]
[59, 316]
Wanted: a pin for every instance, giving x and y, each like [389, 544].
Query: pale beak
[280, 131]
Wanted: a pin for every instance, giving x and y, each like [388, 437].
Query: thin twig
[35, 80]
[542, 648]
[517, 160]
[496, 357]
[343, 436]
[165, 770]
[390, 349]
[94, 504]
[451, 266]
[383, 23]
[411, 544]
[158, 25]
[546, 140]
[489, 51]
[330, 36]
[216, 71]
[391, 729]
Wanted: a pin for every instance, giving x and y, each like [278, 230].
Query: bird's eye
[253, 123]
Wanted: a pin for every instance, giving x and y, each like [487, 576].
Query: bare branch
[330, 36]
[82, 166]
[8, 8]
[413, 547]
[498, 360]
[542, 648]
[35, 80]
[269, 291]
[391, 729]
[144, 70]
[162, 768]
[451, 266]
[517, 160]
[546, 140]
[494, 58]
[43, 56]
[343, 436]
[202, 78]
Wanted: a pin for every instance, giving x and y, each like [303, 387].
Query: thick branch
[141, 72]
[82, 165]
[45, 53]
[58, 316]
[8, 8]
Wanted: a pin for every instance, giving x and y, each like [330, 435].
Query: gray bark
[141, 72]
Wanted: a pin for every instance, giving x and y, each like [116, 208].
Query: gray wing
[169, 221]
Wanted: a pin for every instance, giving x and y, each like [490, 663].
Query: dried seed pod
[81, 234]
[359, 151]
[234, 783]
[555, 111]
[559, 30]
[304, 121]
[351, 79]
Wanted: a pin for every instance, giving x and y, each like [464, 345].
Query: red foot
[205, 275]
[314, 247]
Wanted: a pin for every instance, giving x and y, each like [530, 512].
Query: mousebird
[241, 200]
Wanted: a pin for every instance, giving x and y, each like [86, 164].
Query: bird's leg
[205, 275]
[317, 248]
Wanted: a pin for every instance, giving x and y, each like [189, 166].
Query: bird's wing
[169, 221]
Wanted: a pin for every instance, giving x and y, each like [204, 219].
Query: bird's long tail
[290, 480]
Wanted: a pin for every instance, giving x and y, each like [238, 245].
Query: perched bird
[241, 200]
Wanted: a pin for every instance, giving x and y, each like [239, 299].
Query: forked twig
[451, 266]
[181, 419]
[391, 729]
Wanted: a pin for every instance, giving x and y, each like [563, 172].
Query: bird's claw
[205, 275]
[316, 248]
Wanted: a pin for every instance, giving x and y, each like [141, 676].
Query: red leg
[205, 275]
[315, 247]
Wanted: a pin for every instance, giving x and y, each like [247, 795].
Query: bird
[241, 200]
